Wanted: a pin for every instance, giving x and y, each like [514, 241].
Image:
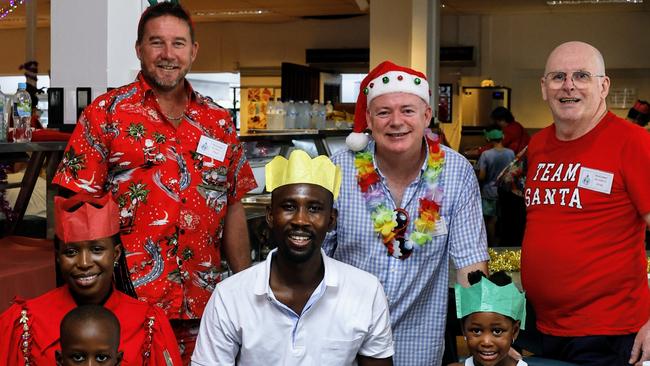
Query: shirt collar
[372, 148]
[263, 287]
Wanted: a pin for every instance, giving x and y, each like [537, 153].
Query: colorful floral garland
[384, 219]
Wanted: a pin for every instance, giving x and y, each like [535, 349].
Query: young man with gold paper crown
[407, 205]
[299, 307]
[90, 260]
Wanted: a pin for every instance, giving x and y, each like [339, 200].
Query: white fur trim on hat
[398, 81]
[357, 141]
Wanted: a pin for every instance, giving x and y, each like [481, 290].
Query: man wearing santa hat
[407, 205]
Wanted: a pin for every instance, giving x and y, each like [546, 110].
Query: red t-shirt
[43, 317]
[173, 199]
[515, 137]
[584, 260]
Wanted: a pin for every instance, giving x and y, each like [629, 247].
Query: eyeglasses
[580, 79]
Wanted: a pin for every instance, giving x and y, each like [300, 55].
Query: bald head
[575, 87]
[90, 316]
[576, 53]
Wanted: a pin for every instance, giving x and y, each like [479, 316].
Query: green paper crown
[488, 297]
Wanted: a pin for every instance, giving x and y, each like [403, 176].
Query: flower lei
[384, 219]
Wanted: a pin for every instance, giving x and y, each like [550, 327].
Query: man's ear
[58, 357]
[269, 216]
[543, 87]
[334, 214]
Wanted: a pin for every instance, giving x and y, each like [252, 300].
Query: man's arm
[218, 341]
[467, 238]
[369, 361]
[461, 273]
[235, 246]
[641, 348]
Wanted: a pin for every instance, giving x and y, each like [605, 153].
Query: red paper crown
[642, 107]
[96, 218]
[388, 78]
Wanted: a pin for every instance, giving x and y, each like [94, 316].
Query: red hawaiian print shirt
[172, 199]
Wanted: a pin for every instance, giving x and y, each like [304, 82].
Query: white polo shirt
[244, 324]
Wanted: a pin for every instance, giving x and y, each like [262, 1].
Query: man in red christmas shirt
[583, 260]
[172, 159]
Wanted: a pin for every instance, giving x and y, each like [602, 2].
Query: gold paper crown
[300, 168]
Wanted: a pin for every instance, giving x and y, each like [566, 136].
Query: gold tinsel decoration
[510, 261]
[504, 260]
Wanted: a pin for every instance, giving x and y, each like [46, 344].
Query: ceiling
[277, 11]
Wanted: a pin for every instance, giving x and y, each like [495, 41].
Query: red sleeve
[164, 346]
[10, 331]
[84, 163]
[635, 162]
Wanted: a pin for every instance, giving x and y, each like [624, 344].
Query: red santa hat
[383, 79]
[84, 217]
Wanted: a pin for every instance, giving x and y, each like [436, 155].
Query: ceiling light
[232, 12]
[581, 2]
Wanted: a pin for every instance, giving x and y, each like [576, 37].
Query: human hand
[641, 348]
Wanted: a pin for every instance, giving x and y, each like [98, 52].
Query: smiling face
[397, 122]
[489, 337]
[166, 52]
[90, 343]
[571, 103]
[87, 268]
[299, 217]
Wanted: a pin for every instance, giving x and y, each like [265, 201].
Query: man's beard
[163, 85]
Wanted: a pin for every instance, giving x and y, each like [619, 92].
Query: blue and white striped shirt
[416, 287]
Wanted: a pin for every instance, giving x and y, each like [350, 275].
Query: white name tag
[212, 148]
[595, 180]
[441, 227]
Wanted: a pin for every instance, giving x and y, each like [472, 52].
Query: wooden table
[46, 154]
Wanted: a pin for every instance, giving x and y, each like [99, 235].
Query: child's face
[489, 336]
[90, 344]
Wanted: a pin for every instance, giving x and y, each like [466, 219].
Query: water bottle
[280, 113]
[270, 115]
[22, 114]
[329, 108]
[303, 114]
[290, 119]
[329, 111]
[4, 118]
[314, 115]
[322, 117]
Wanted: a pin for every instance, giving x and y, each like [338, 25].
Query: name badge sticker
[595, 180]
[441, 227]
[210, 147]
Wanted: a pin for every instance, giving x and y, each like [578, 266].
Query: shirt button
[183, 199]
[182, 231]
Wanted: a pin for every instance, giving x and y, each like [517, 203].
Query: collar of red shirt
[48, 324]
[148, 90]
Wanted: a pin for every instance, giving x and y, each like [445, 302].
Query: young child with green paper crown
[491, 311]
